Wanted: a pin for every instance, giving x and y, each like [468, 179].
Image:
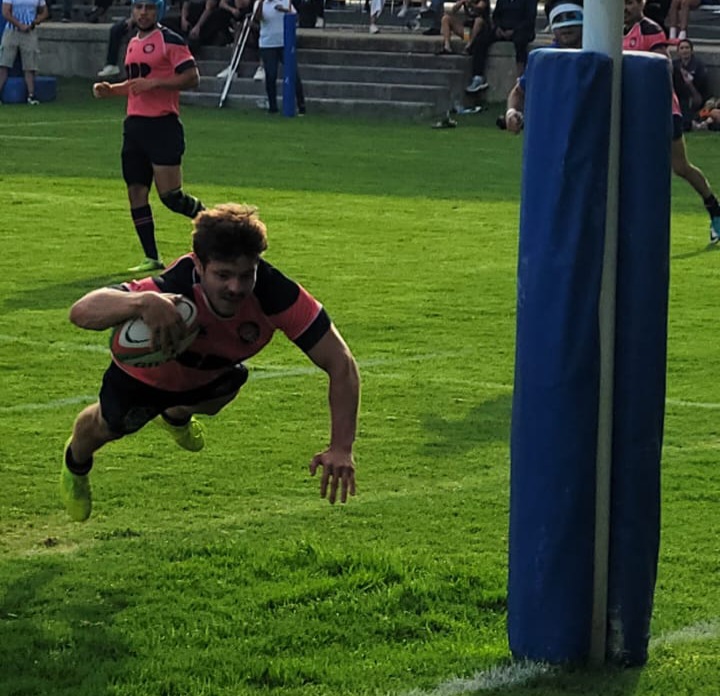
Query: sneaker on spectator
[109, 71]
[259, 75]
[374, 29]
[431, 31]
[477, 84]
[403, 11]
[32, 100]
[412, 24]
[223, 73]
[320, 23]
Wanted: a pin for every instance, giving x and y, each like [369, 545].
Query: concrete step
[345, 73]
[349, 107]
[320, 89]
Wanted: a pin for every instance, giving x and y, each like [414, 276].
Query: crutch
[236, 56]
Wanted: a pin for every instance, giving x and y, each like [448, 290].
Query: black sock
[77, 468]
[145, 228]
[712, 206]
[176, 422]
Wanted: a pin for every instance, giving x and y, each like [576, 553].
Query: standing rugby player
[159, 66]
[642, 34]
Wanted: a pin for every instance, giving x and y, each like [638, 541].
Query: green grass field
[224, 573]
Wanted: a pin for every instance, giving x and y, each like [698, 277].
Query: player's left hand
[338, 470]
[140, 84]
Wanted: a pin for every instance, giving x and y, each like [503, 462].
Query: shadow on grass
[698, 252]
[58, 296]
[488, 421]
[54, 641]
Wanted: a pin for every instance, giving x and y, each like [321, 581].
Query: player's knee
[180, 202]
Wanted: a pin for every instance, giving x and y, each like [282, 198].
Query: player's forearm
[344, 398]
[106, 307]
[184, 80]
[516, 98]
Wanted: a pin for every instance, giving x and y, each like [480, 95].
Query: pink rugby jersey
[277, 303]
[647, 35]
[161, 54]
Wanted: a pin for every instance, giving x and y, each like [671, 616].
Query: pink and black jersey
[277, 303]
[649, 36]
[161, 54]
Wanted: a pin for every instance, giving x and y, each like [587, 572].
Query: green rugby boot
[75, 492]
[190, 436]
[147, 266]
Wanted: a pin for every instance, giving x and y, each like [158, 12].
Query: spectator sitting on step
[98, 11]
[512, 20]
[678, 17]
[690, 81]
[471, 14]
[709, 116]
[21, 19]
[202, 23]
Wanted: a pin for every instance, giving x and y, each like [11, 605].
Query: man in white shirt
[21, 17]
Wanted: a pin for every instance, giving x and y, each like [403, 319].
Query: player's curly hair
[228, 231]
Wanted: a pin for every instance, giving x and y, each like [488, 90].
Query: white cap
[567, 14]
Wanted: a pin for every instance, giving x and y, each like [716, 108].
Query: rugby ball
[131, 341]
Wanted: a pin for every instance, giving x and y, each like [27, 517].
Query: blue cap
[160, 4]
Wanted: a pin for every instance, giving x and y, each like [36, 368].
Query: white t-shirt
[24, 11]
[272, 25]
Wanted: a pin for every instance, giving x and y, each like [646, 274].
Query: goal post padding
[557, 363]
[640, 353]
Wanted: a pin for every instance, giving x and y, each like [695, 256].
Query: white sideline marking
[272, 372]
[32, 124]
[692, 404]
[519, 673]
[704, 630]
[489, 680]
[64, 346]
[265, 372]
[34, 137]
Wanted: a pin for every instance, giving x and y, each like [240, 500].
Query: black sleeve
[310, 337]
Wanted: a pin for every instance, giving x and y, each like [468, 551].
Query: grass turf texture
[223, 573]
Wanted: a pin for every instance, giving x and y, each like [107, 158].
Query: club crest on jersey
[148, 48]
[249, 332]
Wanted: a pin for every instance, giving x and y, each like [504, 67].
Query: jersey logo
[148, 48]
[249, 332]
[135, 70]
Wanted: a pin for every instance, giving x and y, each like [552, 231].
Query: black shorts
[677, 127]
[127, 404]
[147, 141]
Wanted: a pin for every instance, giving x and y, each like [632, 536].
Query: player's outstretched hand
[514, 120]
[101, 90]
[338, 470]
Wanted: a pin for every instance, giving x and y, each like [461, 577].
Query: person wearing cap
[159, 66]
[642, 34]
[566, 24]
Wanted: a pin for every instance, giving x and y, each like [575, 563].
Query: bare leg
[683, 168]
[90, 433]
